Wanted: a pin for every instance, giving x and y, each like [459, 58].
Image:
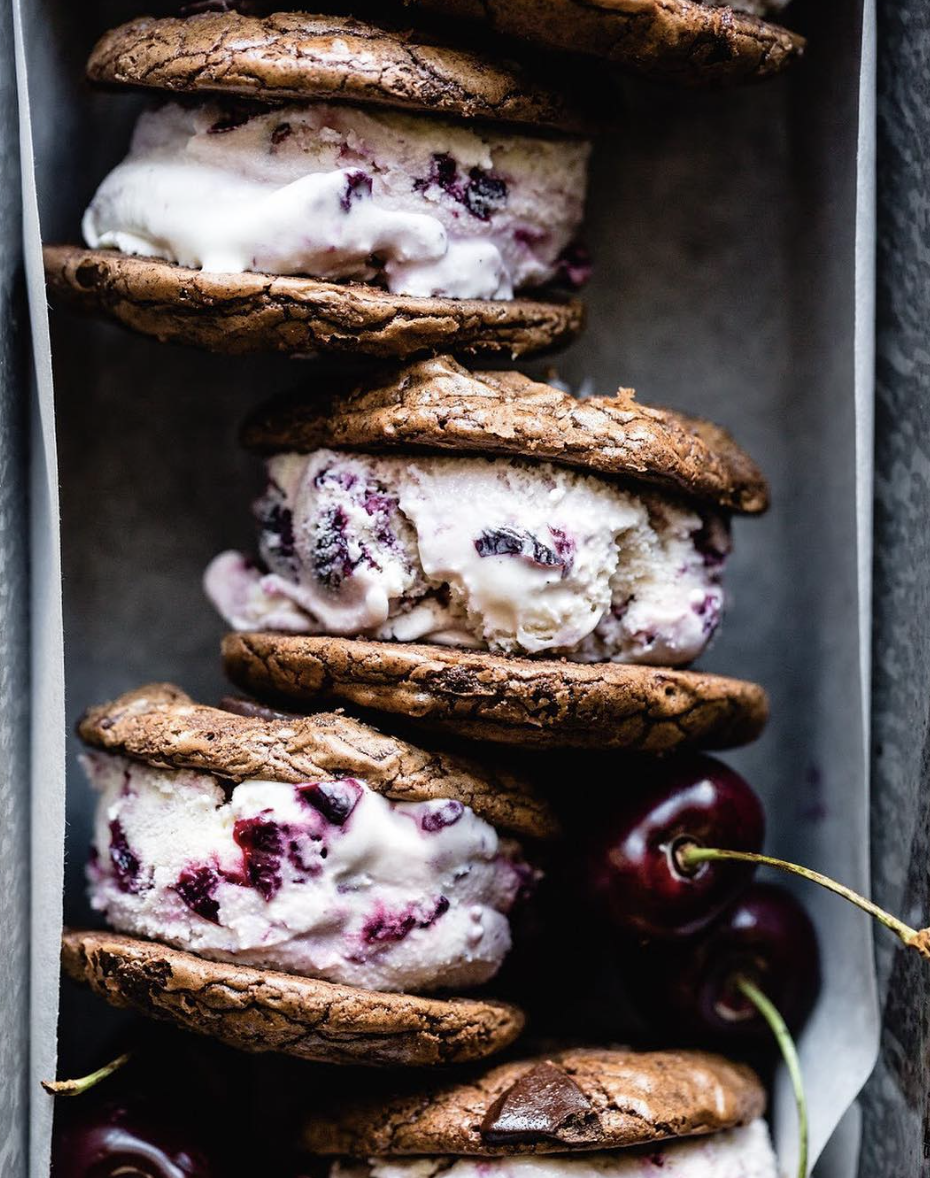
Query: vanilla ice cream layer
[499, 554]
[327, 879]
[735, 1153]
[423, 206]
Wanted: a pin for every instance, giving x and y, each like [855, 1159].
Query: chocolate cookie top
[680, 41]
[243, 313]
[297, 56]
[542, 703]
[575, 1100]
[437, 404]
[261, 1010]
[161, 725]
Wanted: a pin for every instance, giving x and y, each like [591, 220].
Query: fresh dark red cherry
[126, 1139]
[632, 869]
[766, 937]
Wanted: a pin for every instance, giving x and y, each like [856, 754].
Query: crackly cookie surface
[301, 56]
[248, 312]
[437, 404]
[258, 1010]
[583, 1099]
[680, 41]
[162, 726]
[479, 695]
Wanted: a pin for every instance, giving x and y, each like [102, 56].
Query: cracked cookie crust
[261, 1010]
[162, 726]
[436, 405]
[620, 1098]
[299, 56]
[510, 700]
[678, 41]
[244, 313]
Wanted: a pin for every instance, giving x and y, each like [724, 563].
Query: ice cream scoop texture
[501, 554]
[421, 205]
[327, 878]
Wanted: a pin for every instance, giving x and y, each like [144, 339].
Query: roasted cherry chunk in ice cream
[501, 554]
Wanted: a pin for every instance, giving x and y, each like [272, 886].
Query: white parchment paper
[15, 369]
[733, 235]
[47, 708]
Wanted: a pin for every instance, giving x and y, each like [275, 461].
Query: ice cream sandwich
[319, 183]
[300, 884]
[686, 42]
[583, 1113]
[487, 553]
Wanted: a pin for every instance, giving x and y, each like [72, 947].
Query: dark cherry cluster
[276, 522]
[332, 562]
[330, 556]
[693, 931]
[335, 800]
[124, 861]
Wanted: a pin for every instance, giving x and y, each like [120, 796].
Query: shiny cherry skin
[110, 1138]
[631, 869]
[766, 936]
[159, 1117]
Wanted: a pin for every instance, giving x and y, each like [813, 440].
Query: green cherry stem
[76, 1087]
[789, 1053]
[690, 855]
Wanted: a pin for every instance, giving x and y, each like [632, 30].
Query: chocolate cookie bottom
[518, 701]
[242, 313]
[262, 1010]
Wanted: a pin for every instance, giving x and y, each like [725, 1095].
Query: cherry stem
[76, 1087]
[789, 1053]
[689, 855]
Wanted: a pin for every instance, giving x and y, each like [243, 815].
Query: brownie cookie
[582, 1099]
[163, 726]
[242, 313]
[502, 698]
[437, 405]
[297, 56]
[678, 41]
[260, 1010]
